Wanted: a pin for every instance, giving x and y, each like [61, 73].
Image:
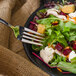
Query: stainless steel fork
[28, 36]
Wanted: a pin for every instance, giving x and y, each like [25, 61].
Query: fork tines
[32, 37]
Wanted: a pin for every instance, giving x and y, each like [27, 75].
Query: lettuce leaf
[73, 61]
[62, 33]
[67, 67]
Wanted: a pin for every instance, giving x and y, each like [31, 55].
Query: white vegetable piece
[54, 12]
[72, 14]
[53, 9]
[72, 55]
[71, 19]
[59, 53]
[47, 54]
[61, 17]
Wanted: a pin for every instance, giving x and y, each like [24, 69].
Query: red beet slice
[54, 24]
[74, 46]
[62, 13]
[43, 15]
[33, 23]
[67, 51]
[36, 17]
[59, 47]
[35, 28]
[31, 26]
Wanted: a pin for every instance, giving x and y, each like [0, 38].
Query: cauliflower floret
[72, 55]
[47, 54]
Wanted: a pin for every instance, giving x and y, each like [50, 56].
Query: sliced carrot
[67, 47]
[59, 70]
[48, 44]
[67, 17]
[67, 56]
[74, 18]
[52, 46]
[56, 22]
[66, 21]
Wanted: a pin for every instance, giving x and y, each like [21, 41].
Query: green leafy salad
[59, 29]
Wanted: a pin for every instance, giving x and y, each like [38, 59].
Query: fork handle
[4, 22]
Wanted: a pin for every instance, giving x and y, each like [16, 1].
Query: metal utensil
[27, 36]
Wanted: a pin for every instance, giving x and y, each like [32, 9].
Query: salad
[58, 24]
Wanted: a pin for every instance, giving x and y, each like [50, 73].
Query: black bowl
[36, 61]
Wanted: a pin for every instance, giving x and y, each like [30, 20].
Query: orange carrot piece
[67, 56]
[52, 46]
[67, 17]
[59, 70]
[48, 44]
[74, 18]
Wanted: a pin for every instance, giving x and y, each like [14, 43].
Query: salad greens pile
[57, 59]
[63, 32]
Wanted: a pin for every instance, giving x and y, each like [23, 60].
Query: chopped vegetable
[66, 51]
[74, 46]
[59, 69]
[16, 30]
[71, 8]
[67, 66]
[47, 54]
[73, 61]
[57, 59]
[41, 28]
[72, 55]
[59, 47]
